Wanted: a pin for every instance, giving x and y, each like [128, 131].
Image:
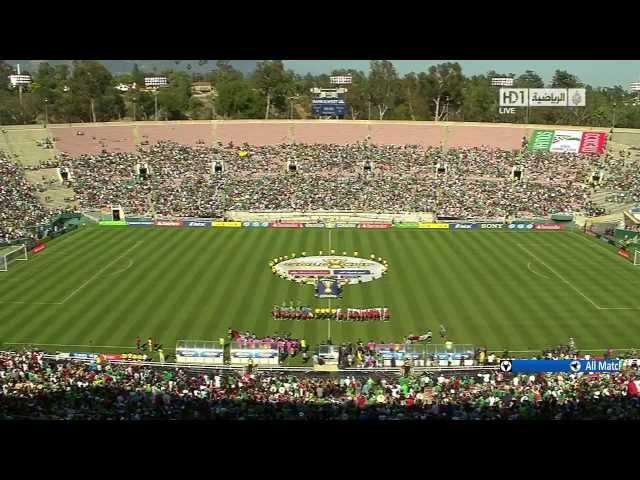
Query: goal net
[636, 257]
[10, 254]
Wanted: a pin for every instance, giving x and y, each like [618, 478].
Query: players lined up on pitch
[477, 181]
[32, 387]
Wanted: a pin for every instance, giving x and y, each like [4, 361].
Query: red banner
[38, 248]
[623, 253]
[168, 223]
[593, 142]
[548, 227]
[374, 225]
[285, 225]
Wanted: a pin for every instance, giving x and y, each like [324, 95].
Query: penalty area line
[561, 277]
[94, 276]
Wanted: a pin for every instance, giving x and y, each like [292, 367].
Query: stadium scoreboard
[561, 366]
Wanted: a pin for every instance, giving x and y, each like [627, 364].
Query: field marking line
[94, 276]
[560, 277]
[31, 303]
[536, 273]
[123, 270]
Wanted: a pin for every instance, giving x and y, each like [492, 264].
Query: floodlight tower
[635, 87]
[19, 80]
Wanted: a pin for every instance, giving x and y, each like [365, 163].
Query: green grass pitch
[103, 286]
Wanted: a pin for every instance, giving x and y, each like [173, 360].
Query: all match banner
[568, 141]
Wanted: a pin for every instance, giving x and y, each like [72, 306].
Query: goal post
[636, 257]
[10, 254]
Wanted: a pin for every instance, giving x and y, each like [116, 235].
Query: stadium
[363, 263]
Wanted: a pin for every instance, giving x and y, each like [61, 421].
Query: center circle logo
[347, 270]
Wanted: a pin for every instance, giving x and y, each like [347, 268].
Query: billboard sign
[561, 366]
[568, 141]
[255, 224]
[321, 107]
[196, 223]
[544, 226]
[521, 226]
[168, 223]
[374, 225]
[285, 225]
[141, 222]
[227, 224]
[435, 226]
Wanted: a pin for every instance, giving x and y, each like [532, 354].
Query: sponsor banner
[438, 226]
[111, 356]
[194, 223]
[564, 366]
[168, 223]
[566, 141]
[200, 352]
[330, 225]
[328, 106]
[314, 225]
[593, 143]
[38, 248]
[254, 353]
[494, 226]
[82, 356]
[541, 140]
[285, 225]
[544, 226]
[406, 225]
[521, 226]
[113, 223]
[623, 253]
[463, 226]
[374, 225]
[255, 224]
[309, 272]
[227, 224]
[63, 356]
[141, 223]
[346, 225]
[351, 272]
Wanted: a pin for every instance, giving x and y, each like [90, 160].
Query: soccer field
[104, 286]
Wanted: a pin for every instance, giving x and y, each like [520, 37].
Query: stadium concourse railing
[276, 368]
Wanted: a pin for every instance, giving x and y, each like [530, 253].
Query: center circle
[347, 270]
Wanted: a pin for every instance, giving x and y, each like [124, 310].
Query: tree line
[85, 92]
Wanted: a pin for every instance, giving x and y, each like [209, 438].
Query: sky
[598, 73]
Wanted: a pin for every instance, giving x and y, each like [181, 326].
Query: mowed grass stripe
[97, 303]
[176, 280]
[238, 300]
[141, 302]
[473, 265]
[615, 290]
[409, 280]
[42, 323]
[539, 306]
[557, 303]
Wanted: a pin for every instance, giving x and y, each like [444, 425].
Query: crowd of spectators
[20, 208]
[34, 387]
[458, 182]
